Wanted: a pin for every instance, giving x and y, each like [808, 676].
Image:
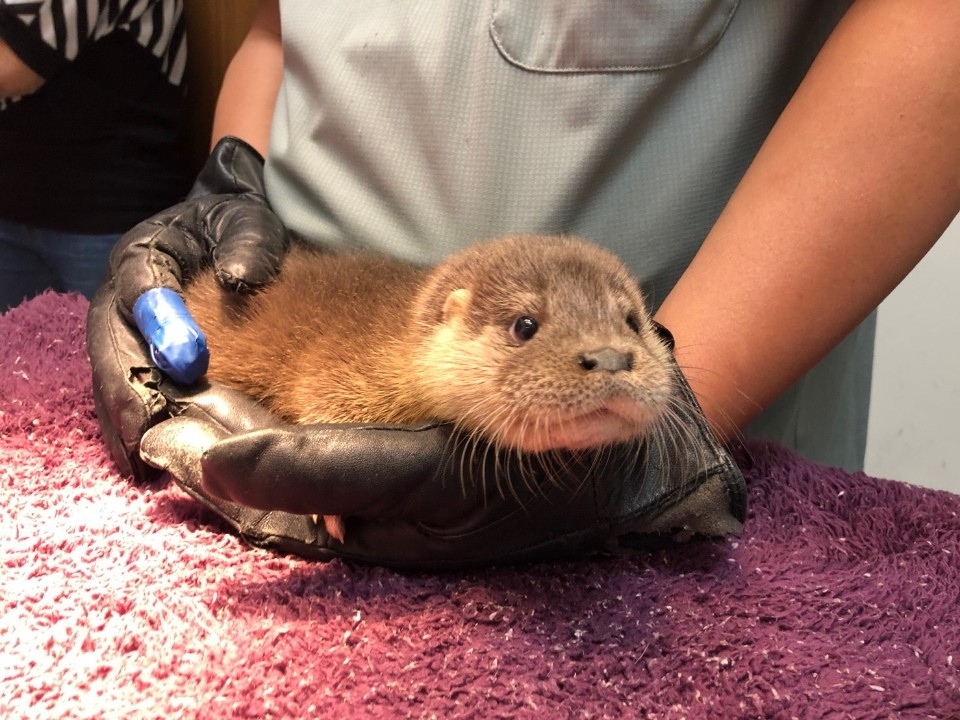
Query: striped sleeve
[48, 33]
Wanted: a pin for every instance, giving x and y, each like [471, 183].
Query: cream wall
[914, 431]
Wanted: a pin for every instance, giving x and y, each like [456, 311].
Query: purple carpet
[124, 601]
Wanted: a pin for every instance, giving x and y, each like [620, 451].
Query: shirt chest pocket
[564, 36]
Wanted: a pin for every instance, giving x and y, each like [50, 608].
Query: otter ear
[455, 306]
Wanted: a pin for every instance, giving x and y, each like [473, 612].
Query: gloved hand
[426, 498]
[414, 497]
[225, 220]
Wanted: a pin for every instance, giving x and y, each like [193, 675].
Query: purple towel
[124, 601]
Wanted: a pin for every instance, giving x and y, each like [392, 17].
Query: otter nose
[606, 359]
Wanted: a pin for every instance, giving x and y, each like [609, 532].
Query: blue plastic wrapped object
[177, 344]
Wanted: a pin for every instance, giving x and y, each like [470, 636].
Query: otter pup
[532, 342]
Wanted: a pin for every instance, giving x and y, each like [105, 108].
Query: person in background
[91, 134]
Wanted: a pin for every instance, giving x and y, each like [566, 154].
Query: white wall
[914, 430]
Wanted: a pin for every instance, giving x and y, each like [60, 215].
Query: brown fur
[305, 346]
[357, 337]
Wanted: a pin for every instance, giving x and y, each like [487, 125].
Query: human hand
[224, 220]
[428, 498]
[411, 496]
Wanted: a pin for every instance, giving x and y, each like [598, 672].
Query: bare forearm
[249, 91]
[857, 180]
[16, 77]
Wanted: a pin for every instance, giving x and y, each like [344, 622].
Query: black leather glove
[225, 220]
[425, 498]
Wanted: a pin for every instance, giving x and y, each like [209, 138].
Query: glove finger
[374, 471]
[250, 239]
[158, 253]
[429, 474]
[176, 445]
[251, 244]
[403, 494]
[227, 199]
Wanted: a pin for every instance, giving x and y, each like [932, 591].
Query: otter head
[540, 343]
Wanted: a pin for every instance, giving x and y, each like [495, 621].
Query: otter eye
[632, 323]
[524, 328]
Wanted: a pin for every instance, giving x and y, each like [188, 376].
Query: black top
[100, 146]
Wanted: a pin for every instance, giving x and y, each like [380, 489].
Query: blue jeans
[34, 259]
